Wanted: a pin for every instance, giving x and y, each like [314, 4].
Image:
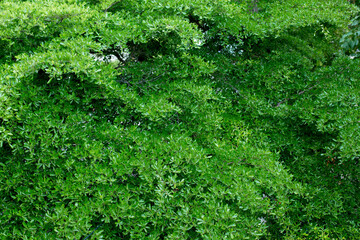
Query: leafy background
[179, 119]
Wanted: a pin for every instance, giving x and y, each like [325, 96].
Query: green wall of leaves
[166, 119]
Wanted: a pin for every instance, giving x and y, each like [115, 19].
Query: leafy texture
[178, 120]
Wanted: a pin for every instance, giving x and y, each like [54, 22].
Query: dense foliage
[166, 119]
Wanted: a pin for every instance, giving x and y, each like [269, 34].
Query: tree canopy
[179, 119]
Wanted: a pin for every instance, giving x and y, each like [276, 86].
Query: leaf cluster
[177, 120]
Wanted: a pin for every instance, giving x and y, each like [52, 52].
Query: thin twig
[111, 5]
[150, 80]
[299, 93]
[93, 231]
[236, 90]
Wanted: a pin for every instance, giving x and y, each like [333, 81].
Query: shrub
[177, 120]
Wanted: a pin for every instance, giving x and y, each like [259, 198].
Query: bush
[177, 120]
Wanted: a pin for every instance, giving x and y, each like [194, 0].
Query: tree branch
[111, 5]
[299, 93]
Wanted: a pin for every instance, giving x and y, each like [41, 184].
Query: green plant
[177, 120]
